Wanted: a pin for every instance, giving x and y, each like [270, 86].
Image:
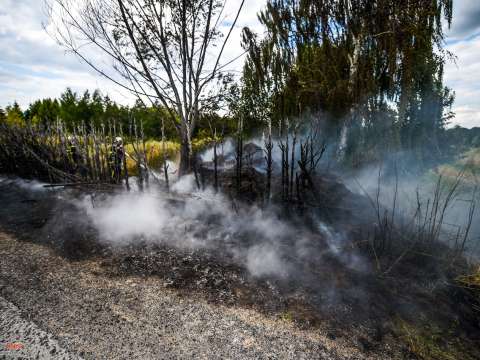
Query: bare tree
[167, 52]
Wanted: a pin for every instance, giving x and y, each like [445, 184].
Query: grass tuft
[429, 343]
[468, 164]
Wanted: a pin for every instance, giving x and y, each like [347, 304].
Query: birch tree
[165, 52]
[353, 60]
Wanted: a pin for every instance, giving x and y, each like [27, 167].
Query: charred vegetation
[263, 207]
[345, 258]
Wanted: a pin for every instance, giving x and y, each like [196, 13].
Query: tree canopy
[361, 63]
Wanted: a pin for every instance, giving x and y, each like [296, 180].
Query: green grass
[429, 343]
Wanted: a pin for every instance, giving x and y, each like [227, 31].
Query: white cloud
[33, 66]
[466, 19]
[464, 78]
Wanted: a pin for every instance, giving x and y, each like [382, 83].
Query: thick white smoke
[196, 220]
[124, 217]
[257, 239]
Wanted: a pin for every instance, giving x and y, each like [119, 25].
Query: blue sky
[33, 66]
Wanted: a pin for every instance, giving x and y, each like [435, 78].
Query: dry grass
[155, 156]
[469, 164]
[471, 158]
[430, 343]
[154, 150]
[472, 282]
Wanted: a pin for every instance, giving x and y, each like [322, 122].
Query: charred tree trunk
[127, 184]
[287, 168]
[144, 153]
[87, 156]
[215, 165]
[164, 157]
[269, 161]
[239, 155]
[281, 145]
[292, 164]
[185, 158]
[138, 155]
[124, 158]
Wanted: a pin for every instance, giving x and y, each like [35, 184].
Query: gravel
[75, 309]
[21, 338]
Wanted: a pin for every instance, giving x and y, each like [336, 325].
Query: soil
[66, 295]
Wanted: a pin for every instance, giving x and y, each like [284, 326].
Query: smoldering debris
[260, 251]
[192, 240]
[198, 243]
[257, 239]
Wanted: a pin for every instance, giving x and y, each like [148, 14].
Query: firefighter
[72, 154]
[116, 159]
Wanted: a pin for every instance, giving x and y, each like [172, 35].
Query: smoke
[28, 185]
[263, 260]
[124, 217]
[226, 148]
[403, 194]
[336, 244]
[257, 239]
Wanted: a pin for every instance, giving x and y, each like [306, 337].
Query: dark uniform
[116, 159]
[73, 154]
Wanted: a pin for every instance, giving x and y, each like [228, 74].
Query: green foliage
[93, 110]
[373, 66]
[15, 115]
[209, 124]
[151, 117]
[3, 116]
[43, 112]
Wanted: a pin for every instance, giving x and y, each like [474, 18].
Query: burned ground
[338, 296]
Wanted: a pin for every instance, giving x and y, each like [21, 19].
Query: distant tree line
[460, 139]
[95, 110]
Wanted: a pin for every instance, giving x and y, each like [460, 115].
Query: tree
[44, 112]
[85, 111]
[161, 51]
[351, 59]
[3, 116]
[97, 109]
[15, 115]
[68, 108]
